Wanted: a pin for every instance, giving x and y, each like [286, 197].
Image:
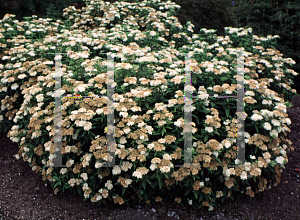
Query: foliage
[48, 8]
[271, 17]
[210, 14]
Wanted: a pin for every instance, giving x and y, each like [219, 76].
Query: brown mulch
[24, 195]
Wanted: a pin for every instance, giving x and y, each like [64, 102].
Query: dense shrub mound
[149, 44]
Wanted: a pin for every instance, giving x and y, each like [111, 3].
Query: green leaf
[83, 134]
[188, 191]
[153, 176]
[146, 196]
[148, 181]
[227, 111]
[144, 183]
[166, 175]
[163, 131]
[205, 138]
[256, 128]
[57, 183]
[123, 191]
[200, 197]
[79, 191]
[84, 141]
[206, 197]
[218, 159]
[195, 194]
[160, 182]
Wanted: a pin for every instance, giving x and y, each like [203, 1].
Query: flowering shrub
[148, 43]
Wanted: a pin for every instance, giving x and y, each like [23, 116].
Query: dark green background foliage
[269, 17]
[265, 17]
[41, 8]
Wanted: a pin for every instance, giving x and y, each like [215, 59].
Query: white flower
[178, 123]
[266, 155]
[209, 129]
[70, 163]
[14, 86]
[99, 198]
[152, 33]
[283, 152]
[203, 96]
[256, 117]
[109, 185]
[126, 130]
[87, 126]
[153, 167]
[5, 57]
[215, 153]
[266, 102]
[149, 112]
[190, 202]
[22, 76]
[275, 122]
[237, 161]
[247, 166]
[243, 176]
[279, 159]
[227, 144]
[227, 172]
[167, 157]
[249, 93]
[84, 176]
[137, 174]
[81, 88]
[31, 53]
[57, 57]
[266, 113]
[232, 171]
[68, 149]
[51, 156]
[252, 157]
[288, 121]
[99, 111]
[150, 146]
[116, 170]
[98, 165]
[72, 182]
[165, 169]
[274, 133]
[124, 114]
[267, 126]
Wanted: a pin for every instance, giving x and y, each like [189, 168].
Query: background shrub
[273, 17]
[41, 8]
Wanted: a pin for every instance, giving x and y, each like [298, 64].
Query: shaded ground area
[24, 195]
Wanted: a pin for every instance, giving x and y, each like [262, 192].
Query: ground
[24, 194]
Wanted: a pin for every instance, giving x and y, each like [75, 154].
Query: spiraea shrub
[149, 46]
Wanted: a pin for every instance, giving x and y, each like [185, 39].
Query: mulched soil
[24, 195]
